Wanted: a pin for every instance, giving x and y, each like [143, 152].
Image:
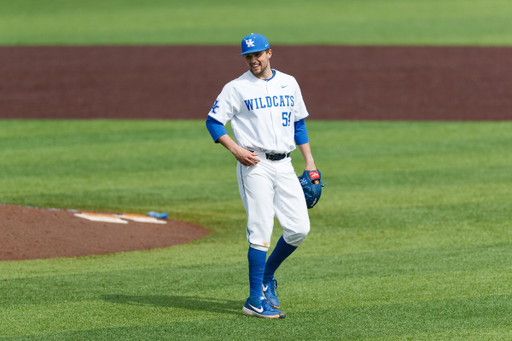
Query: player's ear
[269, 51]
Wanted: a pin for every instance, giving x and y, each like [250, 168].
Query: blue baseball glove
[312, 192]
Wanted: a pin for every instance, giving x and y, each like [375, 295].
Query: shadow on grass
[214, 305]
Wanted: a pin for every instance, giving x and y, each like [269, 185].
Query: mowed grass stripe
[190, 255]
[406, 196]
[377, 268]
[389, 306]
[170, 332]
[479, 334]
[392, 22]
[137, 158]
[408, 237]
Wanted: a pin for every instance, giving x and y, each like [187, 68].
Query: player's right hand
[246, 157]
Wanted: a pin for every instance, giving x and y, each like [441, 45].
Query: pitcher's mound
[31, 233]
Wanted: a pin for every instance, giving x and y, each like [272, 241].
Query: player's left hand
[312, 191]
[309, 169]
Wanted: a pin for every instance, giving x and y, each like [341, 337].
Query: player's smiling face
[259, 63]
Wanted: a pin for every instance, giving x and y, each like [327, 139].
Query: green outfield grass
[368, 22]
[411, 240]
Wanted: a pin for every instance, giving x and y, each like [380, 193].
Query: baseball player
[267, 115]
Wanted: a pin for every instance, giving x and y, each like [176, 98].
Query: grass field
[356, 22]
[410, 241]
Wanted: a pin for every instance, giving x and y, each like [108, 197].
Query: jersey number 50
[286, 118]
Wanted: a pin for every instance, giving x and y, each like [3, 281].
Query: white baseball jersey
[262, 112]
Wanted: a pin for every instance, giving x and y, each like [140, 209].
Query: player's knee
[302, 235]
[297, 237]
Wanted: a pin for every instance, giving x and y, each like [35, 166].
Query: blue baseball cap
[254, 43]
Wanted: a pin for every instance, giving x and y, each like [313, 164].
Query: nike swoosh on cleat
[256, 309]
[265, 287]
[284, 86]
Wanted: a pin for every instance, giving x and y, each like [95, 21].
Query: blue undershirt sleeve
[215, 128]
[301, 134]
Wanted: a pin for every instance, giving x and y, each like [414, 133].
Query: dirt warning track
[169, 82]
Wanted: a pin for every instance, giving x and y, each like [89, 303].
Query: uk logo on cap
[254, 43]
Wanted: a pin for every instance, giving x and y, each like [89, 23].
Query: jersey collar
[250, 75]
[273, 75]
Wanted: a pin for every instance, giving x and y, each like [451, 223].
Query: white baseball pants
[271, 189]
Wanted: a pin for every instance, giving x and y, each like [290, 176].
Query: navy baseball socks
[256, 304]
[280, 253]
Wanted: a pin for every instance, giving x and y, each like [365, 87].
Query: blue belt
[277, 157]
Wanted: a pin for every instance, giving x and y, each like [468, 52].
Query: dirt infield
[31, 233]
[164, 82]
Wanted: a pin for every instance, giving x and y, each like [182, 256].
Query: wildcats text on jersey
[268, 102]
